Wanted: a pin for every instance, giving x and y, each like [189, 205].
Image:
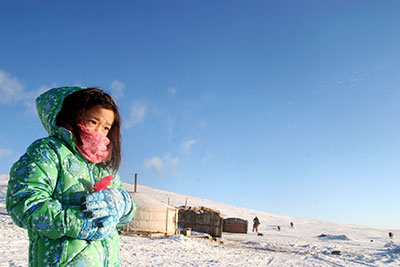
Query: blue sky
[290, 107]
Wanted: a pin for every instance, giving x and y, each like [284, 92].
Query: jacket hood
[49, 105]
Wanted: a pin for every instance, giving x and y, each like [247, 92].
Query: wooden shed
[235, 225]
[201, 219]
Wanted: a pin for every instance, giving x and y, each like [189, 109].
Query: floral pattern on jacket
[44, 192]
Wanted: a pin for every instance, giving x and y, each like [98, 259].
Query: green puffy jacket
[44, 193]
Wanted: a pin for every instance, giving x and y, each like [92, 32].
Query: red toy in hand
[103, 183]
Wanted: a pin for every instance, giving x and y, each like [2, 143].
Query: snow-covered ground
[298, 246]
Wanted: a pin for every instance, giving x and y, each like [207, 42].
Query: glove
[98, 229]
[108, 202]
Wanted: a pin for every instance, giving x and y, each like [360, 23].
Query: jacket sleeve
[116, 183]
[29, 201]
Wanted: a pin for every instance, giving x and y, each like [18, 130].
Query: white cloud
[162, 165]
[154, 162]
[202, 123]
[30, 103]
[170, 125]
[170, 161]
[187, 145]
[11, 90]
[172, 90]
[5, 152]
[137, 114]
[117, 89]
[206, 157]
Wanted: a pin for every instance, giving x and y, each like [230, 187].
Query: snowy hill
[302, 245]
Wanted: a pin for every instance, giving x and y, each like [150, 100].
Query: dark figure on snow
[279, 228]
[291, 224]
[391, 235]
[256, 223]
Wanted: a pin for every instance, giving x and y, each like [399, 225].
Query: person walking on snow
[65, 190]
[256, 223]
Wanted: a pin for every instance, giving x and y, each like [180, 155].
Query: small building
[152, 217]
[235, 225]
[201, 219]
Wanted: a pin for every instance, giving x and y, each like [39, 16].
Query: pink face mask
[94, 145]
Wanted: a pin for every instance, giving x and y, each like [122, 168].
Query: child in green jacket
[58, 189]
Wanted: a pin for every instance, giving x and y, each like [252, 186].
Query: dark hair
[73, 109]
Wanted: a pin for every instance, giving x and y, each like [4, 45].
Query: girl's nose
[97, 129]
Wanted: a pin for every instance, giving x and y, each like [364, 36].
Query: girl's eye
[92, 122]
[106, 128]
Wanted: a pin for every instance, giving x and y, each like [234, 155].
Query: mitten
[98, 229]
[108, 202]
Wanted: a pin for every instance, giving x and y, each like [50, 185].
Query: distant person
[279, 228]
[256, 223]
[391, 235]
[53, 190]
[291, 224]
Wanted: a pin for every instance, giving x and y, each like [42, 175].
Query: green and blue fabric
[44, 196]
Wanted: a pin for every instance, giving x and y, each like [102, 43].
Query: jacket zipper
[105, 248]
[93, 181]
[106, 252]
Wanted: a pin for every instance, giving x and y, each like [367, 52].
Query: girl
[52, 192]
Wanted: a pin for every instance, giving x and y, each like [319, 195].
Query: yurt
[152, 216]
